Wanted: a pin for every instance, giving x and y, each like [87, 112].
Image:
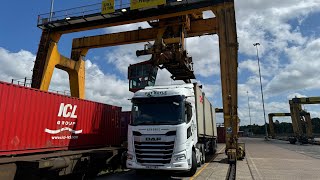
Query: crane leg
[49, 58]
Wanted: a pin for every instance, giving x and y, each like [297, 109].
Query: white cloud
[60, 82]
[250, 65]
[314, 111]
[106, 88]
[100, 87]
[122, 56]
[164, 78]
[204, 51]
[245, 90]
[211, 91]
[288, 58]
[15, 65]
[302, 72]
[267, 23]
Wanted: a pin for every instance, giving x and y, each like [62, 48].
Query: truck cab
[163, 134]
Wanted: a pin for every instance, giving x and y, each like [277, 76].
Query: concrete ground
[216, 168]
[274, 159]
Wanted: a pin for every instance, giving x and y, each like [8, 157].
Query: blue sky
[287, 30]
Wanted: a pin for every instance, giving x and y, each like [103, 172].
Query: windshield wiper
[146, 123]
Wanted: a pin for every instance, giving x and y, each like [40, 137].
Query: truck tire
[124, 160]
[292, 140]
[194, 165]
[213, 147]
[203, 158]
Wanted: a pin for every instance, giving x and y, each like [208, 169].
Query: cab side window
[188, 111]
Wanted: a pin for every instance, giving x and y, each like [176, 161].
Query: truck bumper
[176, 166]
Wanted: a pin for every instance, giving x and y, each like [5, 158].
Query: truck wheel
[213, 147]
[203, 159]
[193, 169]
[292, 140]
[123, 160]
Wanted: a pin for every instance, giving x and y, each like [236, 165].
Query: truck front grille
[154, 152]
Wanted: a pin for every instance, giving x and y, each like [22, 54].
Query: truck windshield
[157, 110]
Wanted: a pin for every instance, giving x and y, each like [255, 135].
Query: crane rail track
[231, 175]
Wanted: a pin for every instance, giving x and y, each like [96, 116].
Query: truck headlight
[180, 157]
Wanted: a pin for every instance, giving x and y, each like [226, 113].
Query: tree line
[281, 128]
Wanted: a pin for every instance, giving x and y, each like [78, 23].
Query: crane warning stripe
[107, 6]
[138, 4]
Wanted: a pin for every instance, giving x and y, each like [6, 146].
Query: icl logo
[67, 111]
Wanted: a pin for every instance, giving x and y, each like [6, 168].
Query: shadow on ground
[141, 175]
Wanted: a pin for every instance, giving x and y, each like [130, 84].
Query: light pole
[51, 10]
[249, 113]
[264, 112]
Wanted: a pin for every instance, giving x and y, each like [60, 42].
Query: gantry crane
[171, 22]
[303, 116]
[295, 108]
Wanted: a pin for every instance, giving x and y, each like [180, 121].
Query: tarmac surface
[272, 159]
[277, 159]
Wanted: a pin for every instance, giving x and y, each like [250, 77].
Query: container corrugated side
[204, 113]
[208, 117]
[199, 109]
[124, 121]
[36, 121]
[214, 121]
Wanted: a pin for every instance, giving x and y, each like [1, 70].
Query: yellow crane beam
[307, 100]
[197, 28]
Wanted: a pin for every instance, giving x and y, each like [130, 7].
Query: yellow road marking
[206, 164]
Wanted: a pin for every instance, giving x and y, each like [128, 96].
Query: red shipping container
[34, 121]
[221, 134]
[124, 121]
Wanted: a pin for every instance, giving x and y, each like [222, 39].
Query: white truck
[173, 128]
